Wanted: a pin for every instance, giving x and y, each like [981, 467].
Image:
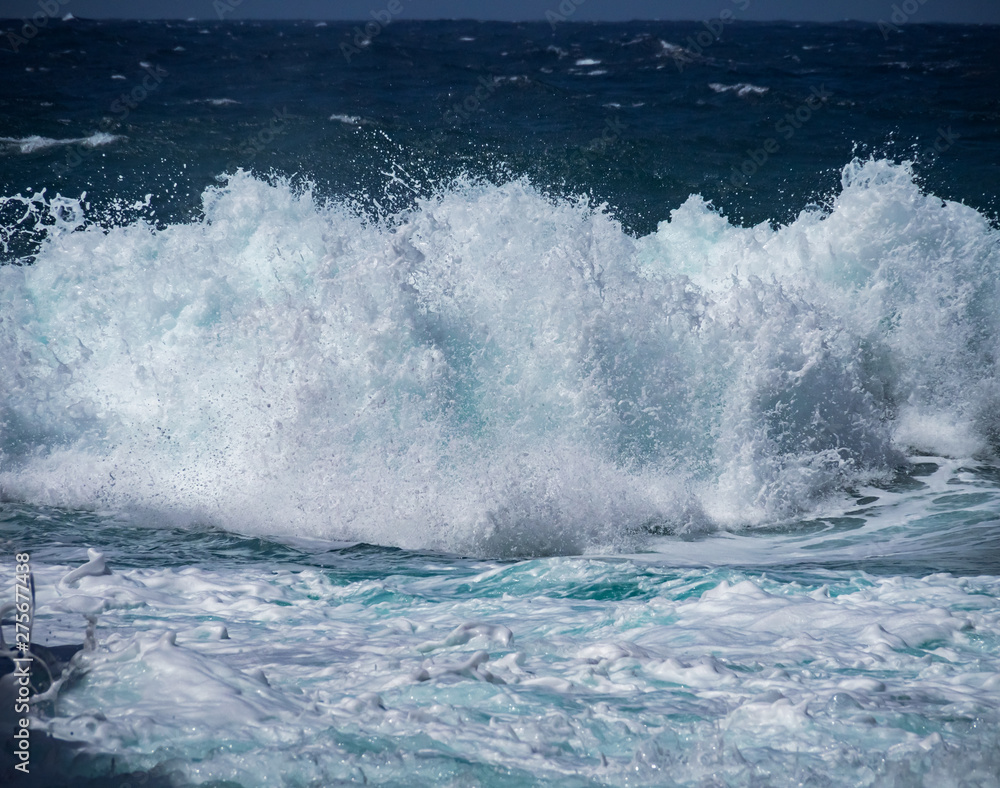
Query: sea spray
[495, 371]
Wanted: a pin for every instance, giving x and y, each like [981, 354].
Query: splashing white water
[495, 371]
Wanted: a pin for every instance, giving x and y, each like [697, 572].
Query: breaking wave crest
[495, 371]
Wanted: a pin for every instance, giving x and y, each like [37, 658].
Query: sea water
[631, 422]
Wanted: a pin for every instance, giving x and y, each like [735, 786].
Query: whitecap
[350, 120]
[741, 89]
[35, 143]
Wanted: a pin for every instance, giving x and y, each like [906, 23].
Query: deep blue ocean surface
[460, 403]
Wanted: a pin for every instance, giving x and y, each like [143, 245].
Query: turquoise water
[824, 652]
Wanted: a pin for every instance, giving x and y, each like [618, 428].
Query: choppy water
[440, 447]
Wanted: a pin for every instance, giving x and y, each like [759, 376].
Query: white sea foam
[677, 52]
[350, 120]
[741, 89]
[495, 371]
[36, 143]
[287, 675]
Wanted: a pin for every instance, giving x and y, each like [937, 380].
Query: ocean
[463, 403]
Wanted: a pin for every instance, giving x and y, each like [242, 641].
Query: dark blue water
[641, 129]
